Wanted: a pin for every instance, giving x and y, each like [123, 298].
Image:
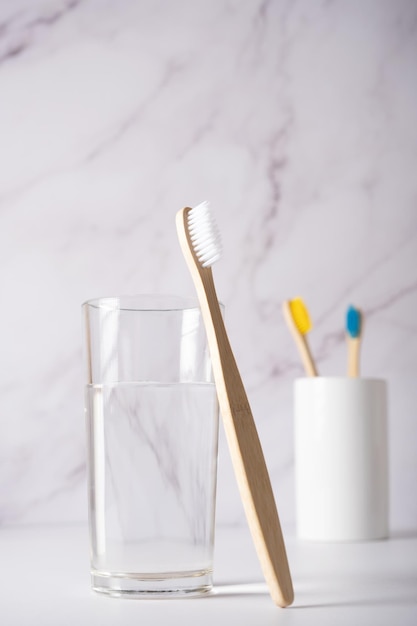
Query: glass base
[163, 585]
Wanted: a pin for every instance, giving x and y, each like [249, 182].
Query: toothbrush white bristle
[204, 234]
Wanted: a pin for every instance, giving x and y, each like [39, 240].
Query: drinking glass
[152, 431]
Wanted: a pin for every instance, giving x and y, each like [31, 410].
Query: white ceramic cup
[341, 459]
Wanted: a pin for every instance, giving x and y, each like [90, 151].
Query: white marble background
[297, 119]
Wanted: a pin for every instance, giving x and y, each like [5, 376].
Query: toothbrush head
[300, 316]
[353, 322]
[204, 234]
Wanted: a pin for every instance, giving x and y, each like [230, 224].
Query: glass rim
[146, 302]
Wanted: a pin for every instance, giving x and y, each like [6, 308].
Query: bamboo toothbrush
[299, 322]
[200, 243]
[354, 324]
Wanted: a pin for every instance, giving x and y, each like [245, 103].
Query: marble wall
[296, 119]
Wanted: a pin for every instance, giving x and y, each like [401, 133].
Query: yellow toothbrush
[299, 322]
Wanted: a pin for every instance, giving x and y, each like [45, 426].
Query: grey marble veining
[297, 120]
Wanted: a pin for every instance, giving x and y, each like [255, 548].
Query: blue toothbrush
[354, 336]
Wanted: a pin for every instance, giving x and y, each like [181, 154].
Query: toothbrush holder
[341, 459]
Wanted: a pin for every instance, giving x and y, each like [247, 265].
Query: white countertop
[44, 580]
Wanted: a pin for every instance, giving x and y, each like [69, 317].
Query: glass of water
[152, 430]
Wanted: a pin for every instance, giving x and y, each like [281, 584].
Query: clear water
[152, 477]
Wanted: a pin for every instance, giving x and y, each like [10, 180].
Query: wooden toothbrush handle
[305, 354]
[353, 356]
[246, 451]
